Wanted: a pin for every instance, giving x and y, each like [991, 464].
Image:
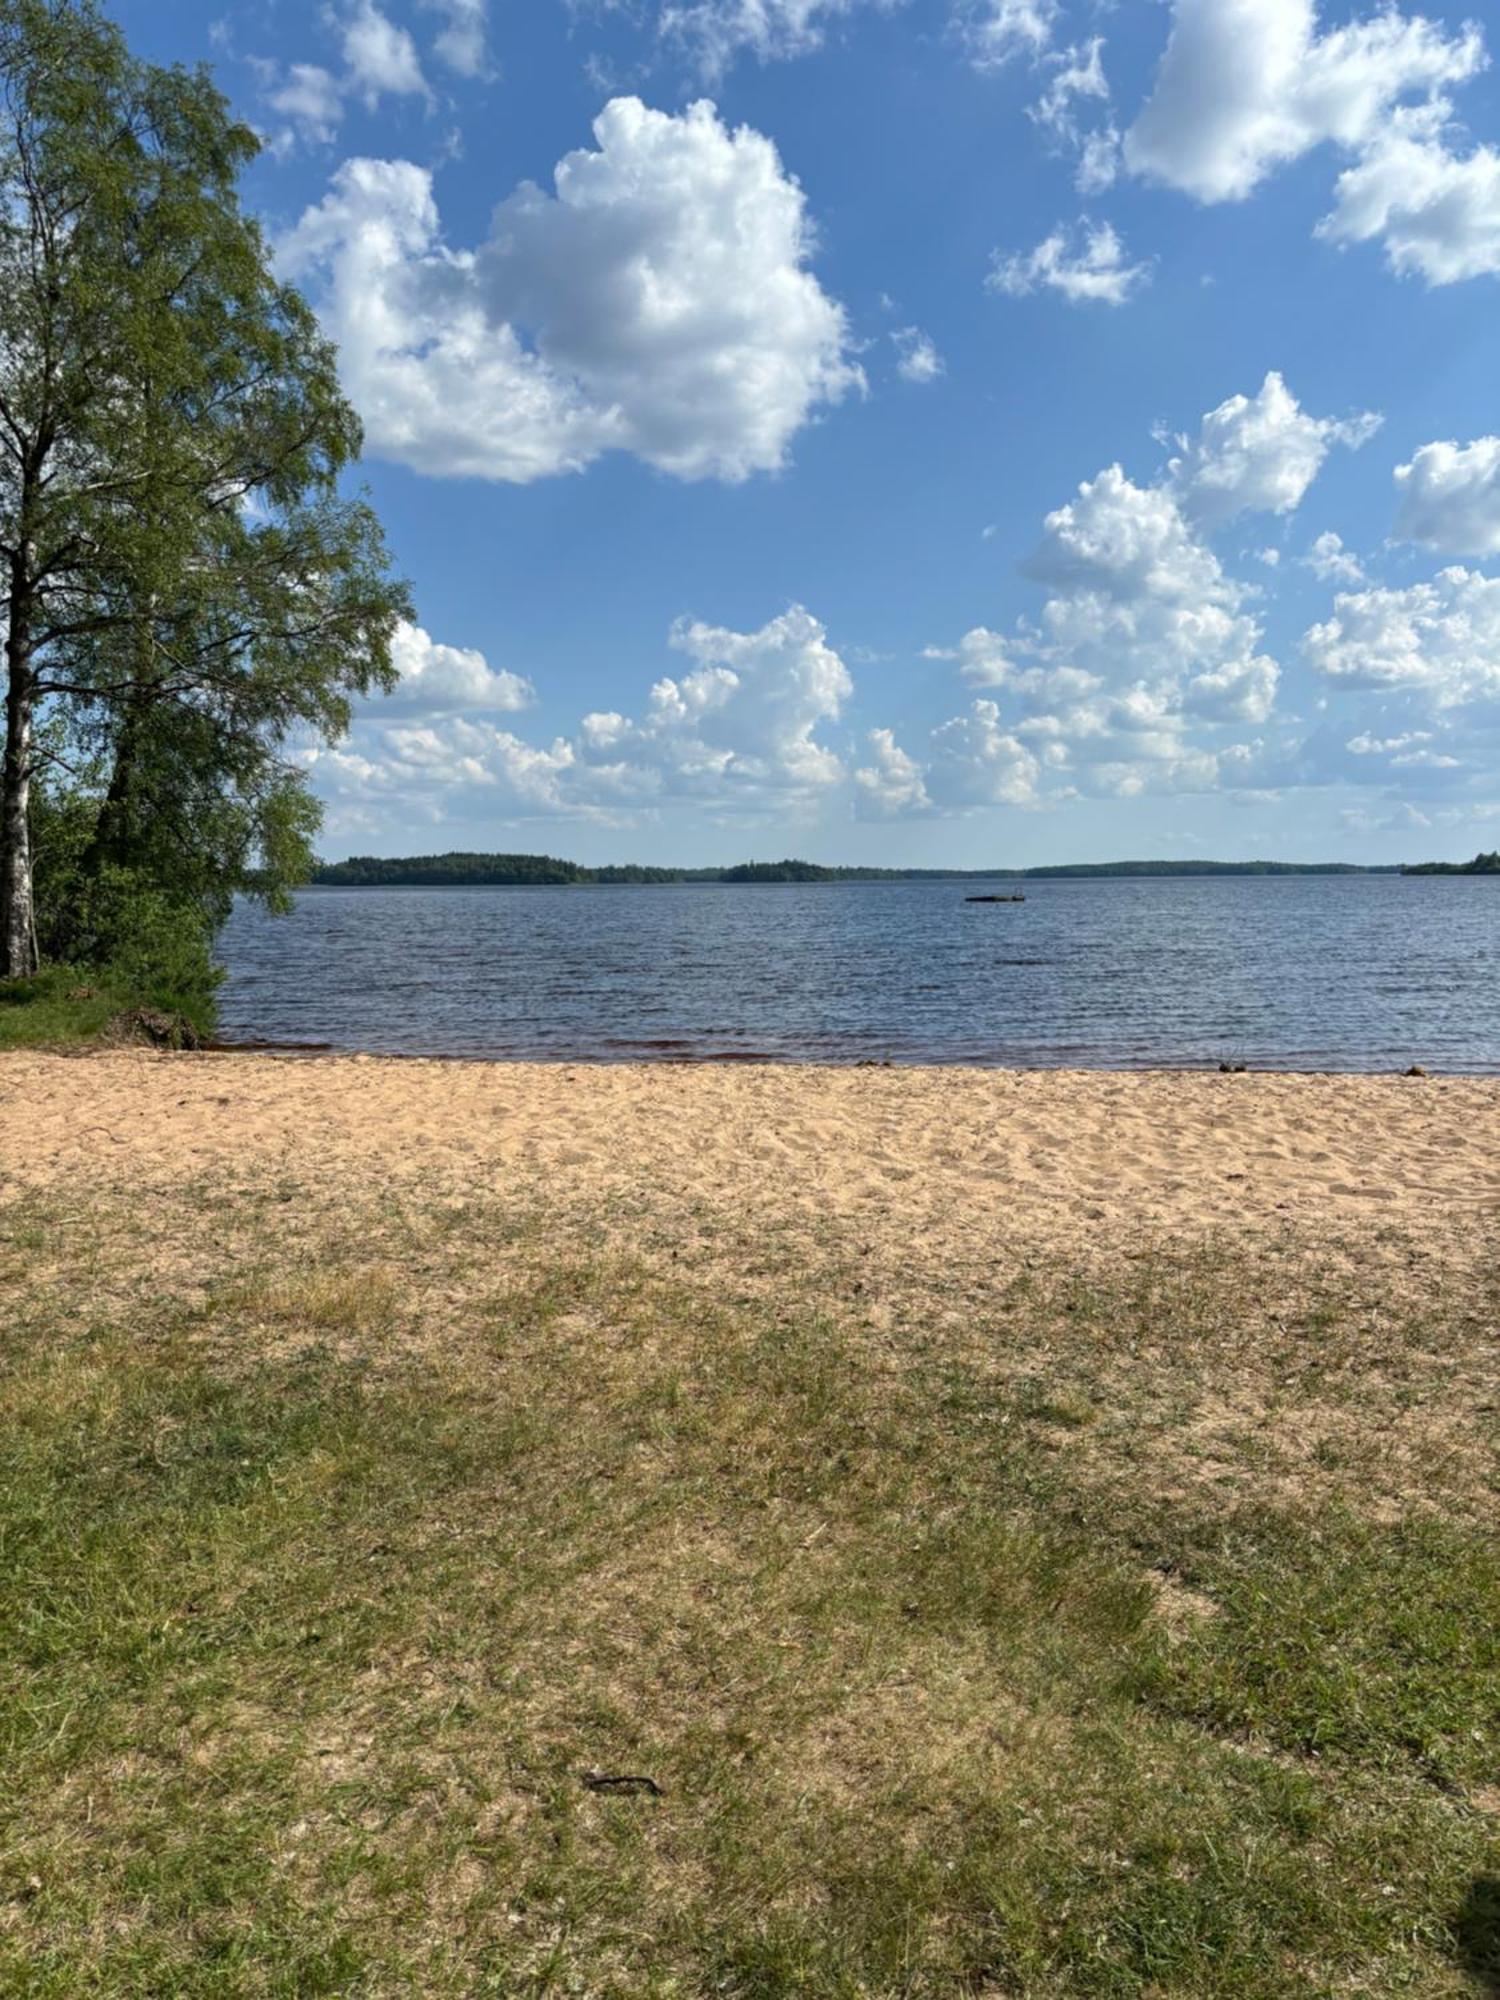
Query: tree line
[459, 870]
[1482, 864]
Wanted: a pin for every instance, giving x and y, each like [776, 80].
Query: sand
[952, 1160]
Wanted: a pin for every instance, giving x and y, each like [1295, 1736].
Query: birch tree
[188, 592]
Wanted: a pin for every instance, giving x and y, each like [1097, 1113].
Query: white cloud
[976, 762]
[1438, 212]
[1246, 86]
[1366, 745]
[1440, 640]
[658, 303]
[1098, 161]
[1141, 601]
[917, 358]
[1094, 271]
[312, 102]
[381, 57]
[996, 32]
[461, 44]
[740, 726]
[717, 32]
[1450, 497]
[1146, 661]
[1259, 454]
[1402, 819]
[1126, 542]
[1331, 562]
[736, 732]
[1077, 72]
[380, 60]
[891, 785]
[439, 679]
[1077, 80]
[421, 770]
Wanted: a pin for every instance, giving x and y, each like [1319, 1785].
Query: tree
[187, 593]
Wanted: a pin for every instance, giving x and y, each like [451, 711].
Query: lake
[1286, 972]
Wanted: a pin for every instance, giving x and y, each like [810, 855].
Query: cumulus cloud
[1450, 497]
[657, 302]
[424, 770]
[1089, 266]
[1139, 596]
[736, 731]
[439, 679]
[1246, 86]
[977, 761]
[1126, 542]
[1437, 211]
[740, 725]
[1259, 453]
[917, 359]
[1405, 748]
[1146, 664]
[1440, 640]
[892, 784]
[1331, 562]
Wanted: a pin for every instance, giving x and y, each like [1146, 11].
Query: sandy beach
[955, 1161]
[1081, 1482]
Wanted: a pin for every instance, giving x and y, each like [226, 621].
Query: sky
[913, 432]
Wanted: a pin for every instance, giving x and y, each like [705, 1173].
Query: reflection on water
[1309, 972]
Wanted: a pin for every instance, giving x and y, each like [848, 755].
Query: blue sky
[930, 432]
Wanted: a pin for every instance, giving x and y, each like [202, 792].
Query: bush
[156, 950]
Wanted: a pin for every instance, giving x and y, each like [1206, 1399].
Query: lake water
[1310, 972]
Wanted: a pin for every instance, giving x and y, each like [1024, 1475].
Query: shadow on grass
[1478, 1934]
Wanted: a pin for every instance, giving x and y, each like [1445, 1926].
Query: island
[1482, 864]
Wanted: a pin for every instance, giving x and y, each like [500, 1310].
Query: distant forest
[1482, 864]
[516, 871]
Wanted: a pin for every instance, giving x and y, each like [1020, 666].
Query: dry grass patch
[1038, 1631]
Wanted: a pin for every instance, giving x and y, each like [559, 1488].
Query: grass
[1122, 1632]
[73, 1006]
[58, 1008]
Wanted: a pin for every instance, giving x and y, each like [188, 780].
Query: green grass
[57, 1008]
[69, 1006]
[334, 1556]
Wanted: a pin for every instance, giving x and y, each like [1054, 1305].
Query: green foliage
[155, 946]
[191, 593]
[139, 935]
[450, 871]
[70, 1005]
[779, 871]
[1482, 864]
